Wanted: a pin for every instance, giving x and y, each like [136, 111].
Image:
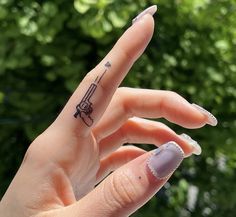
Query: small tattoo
[108, 64]
[84, 109]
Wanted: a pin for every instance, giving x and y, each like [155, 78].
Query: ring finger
[139, 130]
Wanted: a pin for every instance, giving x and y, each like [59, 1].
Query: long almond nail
[150, 10]
[211, 119]
[197, 150]
[165, 160]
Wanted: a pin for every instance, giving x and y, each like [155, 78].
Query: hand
[84, 144]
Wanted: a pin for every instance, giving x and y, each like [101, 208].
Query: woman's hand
[84, 144]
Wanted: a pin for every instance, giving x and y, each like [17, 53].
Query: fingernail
[150, 10]
[165, 160]
[197, 150]
[211, 119]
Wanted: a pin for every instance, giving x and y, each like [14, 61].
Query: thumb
[130, 186]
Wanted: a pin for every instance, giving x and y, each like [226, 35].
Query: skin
[64, 163]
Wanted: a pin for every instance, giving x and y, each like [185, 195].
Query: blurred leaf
[81, 7]
[47, 47]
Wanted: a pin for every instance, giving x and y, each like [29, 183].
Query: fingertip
[136, 38]
[165, 160]
[150, 10]
[209, 117]
[180, 111]
[195, 118]
[146, 24]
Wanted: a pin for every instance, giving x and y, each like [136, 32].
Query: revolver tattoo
[84, 109]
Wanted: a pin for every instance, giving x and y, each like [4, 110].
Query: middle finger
[129, 102]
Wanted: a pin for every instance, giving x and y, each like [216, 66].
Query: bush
[48, 46]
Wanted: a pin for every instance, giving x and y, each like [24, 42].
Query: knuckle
[104, 88]
[122, 96]
[168, 97]
[28, 155]
[122, 191]
[122, 92]
[124, 135]
[90, 76]
[35, 152]
[172, 94]
[128, 110]
[126, 54]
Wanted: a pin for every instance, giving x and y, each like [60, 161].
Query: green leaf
[116, 20]
[81, 7]
[48, 60]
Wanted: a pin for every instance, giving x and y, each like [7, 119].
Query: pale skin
[64, 163]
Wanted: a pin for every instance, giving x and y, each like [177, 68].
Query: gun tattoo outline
[84, 109]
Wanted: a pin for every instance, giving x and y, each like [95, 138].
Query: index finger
[90, 99]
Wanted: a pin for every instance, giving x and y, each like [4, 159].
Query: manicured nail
[150, 10]
[165, 160]
[197, 150]
[211, 119]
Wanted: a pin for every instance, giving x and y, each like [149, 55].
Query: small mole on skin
[139, 177]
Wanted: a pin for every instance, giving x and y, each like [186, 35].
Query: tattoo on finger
[84, 109]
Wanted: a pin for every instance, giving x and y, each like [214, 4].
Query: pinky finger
[117, 159]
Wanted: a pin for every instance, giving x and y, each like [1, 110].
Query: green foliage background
[47, 47]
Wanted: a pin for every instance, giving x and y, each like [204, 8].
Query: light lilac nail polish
[150, 10]
[165, 160]
[211, 119]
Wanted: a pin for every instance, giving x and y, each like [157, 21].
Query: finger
[139, 130]
[130, 186]
[91, 98]
[117, 159]
[129, 102]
